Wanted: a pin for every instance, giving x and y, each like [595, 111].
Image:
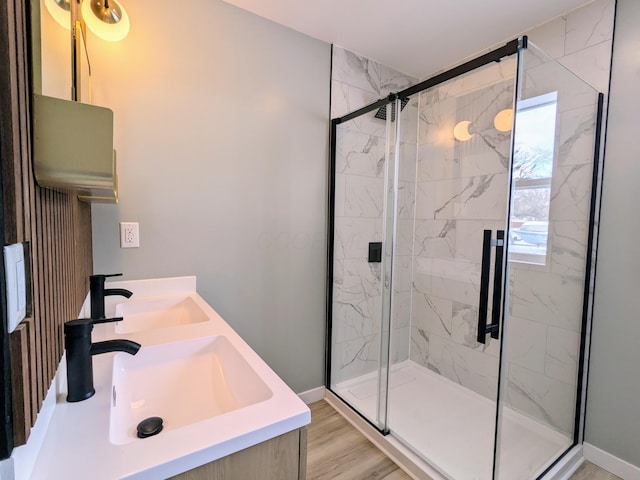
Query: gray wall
[613, 402]
[221, 129]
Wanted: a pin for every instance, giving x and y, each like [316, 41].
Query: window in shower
[534, 147]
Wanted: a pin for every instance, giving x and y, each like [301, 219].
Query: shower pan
[460, 263]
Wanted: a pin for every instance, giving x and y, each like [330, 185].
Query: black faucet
[77, 343]
[98, 292]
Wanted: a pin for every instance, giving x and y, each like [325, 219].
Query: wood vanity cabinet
[281, 458]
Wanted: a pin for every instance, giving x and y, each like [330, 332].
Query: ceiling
[416, 37]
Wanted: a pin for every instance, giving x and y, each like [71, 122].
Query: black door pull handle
[494, 327]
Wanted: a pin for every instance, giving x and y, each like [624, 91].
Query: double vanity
[224, 412]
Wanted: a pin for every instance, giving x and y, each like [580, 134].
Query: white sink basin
[182, 382]
[159, 312]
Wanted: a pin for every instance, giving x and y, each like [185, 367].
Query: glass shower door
[361, 265]
[548, 266]
[453, 165]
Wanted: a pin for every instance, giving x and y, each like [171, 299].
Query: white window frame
[516, 252]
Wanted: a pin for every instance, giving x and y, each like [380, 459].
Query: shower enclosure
[460, 247]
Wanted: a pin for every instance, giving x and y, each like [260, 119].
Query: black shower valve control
[375, 252]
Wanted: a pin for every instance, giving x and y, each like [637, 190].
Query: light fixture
[461, 131]
[503, 121]
[60, 10]
[106, 18]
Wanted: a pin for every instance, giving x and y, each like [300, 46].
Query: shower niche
[465, 343]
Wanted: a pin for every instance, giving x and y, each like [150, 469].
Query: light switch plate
[16, 285]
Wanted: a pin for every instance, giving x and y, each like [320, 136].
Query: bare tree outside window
[534, 146]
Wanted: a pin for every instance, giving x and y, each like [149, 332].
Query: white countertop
[77, 446]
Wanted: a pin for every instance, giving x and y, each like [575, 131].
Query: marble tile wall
[461, 190]
[546, 300]
[359, 213]
[581, 41]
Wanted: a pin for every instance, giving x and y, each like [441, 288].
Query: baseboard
[567, 465]
[313, 395]
[612, 464]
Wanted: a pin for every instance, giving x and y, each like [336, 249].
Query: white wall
[221, 128]
[613, 406]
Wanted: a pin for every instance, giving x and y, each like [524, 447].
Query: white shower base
[452, 428]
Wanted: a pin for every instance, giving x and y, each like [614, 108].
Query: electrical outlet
[129, 235]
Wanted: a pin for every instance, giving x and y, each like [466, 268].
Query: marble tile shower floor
[452, 427]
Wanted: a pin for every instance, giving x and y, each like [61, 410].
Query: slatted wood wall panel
[56, 226]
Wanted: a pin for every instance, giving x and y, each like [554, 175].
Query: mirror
[73, 140]
[52, 53]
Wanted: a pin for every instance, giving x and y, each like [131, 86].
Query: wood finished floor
[336, 450]
[588, 471]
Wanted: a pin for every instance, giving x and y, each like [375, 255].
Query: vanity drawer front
[281, 458]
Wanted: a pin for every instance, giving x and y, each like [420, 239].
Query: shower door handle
[494, 326]
[484, 286]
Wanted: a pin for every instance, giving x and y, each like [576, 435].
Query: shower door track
[510, 48]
